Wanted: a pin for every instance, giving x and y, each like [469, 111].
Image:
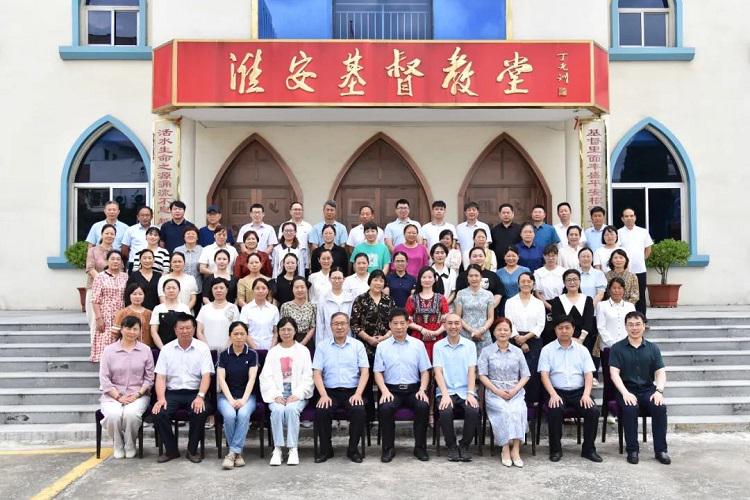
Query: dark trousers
[630, 421]
[357, 418]
[388, 423]
[534, 385]
[181, 400]
[555, 417]
[641, 304]
[471, 417]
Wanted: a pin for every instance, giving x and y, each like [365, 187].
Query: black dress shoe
[196, 459]
[167, 457]
[466, 454]
[593, 456]
[421, 454]
[387, 455]
[663, 457]
[633, 457]
[454, 455]
[354, 456]
[555, 456]
[323, 457]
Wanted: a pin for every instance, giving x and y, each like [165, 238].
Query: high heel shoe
[517, 462]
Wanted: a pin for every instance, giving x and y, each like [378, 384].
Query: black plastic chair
[99, 416]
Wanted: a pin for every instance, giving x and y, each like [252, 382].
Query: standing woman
[416, 252]
[221, 270]
[504, 373]
[107, 293]
[188, 286]
[248, 248]
[245, 285]
[398, 283]
[480, 241]
[96, 261]
[549, 279]
[236, 372]
[147, 278]
[453, 260]
[281, 286]
[286, 383]
[288, 244]
[191, 253]
[568, 255]
[510, 272]
[476, 307]
[356, 283]
[336, 300]
[340, 257]
[593, 281]
[579, 307]
[610, 242]
[133, 299]
[530, 255]
[126, 375]
[426, 309]
[261, 317]
[446, 282]
[161, 255]
[215, 317]
[302, 311]
[320, 283]
[164, 315]
[618, 263]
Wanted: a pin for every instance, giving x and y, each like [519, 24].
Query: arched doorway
[504, 173]
[254, 173]
[379, 173]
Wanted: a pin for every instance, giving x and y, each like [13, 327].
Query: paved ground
[704, 466]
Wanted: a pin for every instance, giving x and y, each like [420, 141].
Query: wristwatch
[660, 391]
[202, 395]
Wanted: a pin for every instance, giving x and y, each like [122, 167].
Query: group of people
[423, 312]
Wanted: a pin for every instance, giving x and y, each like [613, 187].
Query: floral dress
[474, 312]
[304, 315]
[427, 313]
[107, 291]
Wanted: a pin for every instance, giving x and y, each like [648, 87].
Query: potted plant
[664, 255]
[76, 256]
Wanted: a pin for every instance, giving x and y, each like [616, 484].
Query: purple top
[418, 258]
[128, 372]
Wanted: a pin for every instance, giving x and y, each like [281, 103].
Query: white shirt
[610, 321]
[320, 285]
[265, 232]
[465, 234]
[449, 283]
[488, 254]
[260, 320]
[354, 285]
[602, 255]
[634, 242]
[188, 286]
[562, 233]
[209, 252]
[277, 259]
[304, 229]
[184, 367]
[526, 318]
[95, 233]
[567, 256]
[430, 232]
[135, 239]
[216, 324]
[357, 236]
[326, 308]
[549, 283]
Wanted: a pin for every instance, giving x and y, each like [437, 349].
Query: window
[648, 30]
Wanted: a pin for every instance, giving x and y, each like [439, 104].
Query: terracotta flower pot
[82, 294]
[663, 295]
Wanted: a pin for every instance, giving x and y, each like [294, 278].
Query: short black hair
[151, 210]
[220, 281]
[500, 208]
[563, 318]
[377, 273]
[257, 205]
[402, 201]
[183, 316]
[369, 225]
[539, 206]
[398, 312]
[178, 204]
[471, 204]
[636, 314]
[563, 204]
[360, 254]
[439, 203]
[130, 322]
[597, 209]
[551, 249]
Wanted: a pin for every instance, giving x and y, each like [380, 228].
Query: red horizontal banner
[379, 74]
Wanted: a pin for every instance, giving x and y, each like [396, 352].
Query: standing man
[455, 364]
[466, 229]
[430, 232]
[506, 234]
[567, 372]
[329, 218]
[564, 213]
[135, 237]
[357, 234]
[183, 375]
[593, 234]
[213, 220]
[402, 372]
[266, 234]
[340, 373]
[111, 214]
[638, 373]
[544, 233]
[637, 243]
[173, 230]
[394, 231]
[304, 228]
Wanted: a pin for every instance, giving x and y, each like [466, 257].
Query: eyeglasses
[571, 280]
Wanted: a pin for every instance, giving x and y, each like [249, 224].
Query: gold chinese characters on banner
[593, 149]
[165, 162]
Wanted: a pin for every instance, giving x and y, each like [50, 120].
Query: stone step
[9, 380]
[702, 320]
[697, 343]
[47, 414]
[732, 405]
[36, 336]
[48, 364]
[712, 357]
[705, 331]
[707, 373]
[712, 388]
[49, 396]
[45, 349]
[709, 423]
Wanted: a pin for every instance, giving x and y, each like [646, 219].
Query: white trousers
[122, 422]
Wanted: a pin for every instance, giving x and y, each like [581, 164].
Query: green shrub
[667, 253]
[76, 254]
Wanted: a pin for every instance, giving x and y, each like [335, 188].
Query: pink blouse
[418, 258]
[128, 372]
[96, 259]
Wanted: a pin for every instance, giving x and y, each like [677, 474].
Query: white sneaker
[276, 456]
[228, 462]
[306, 424]
[293, 458]
[118, 452]
[130, 452]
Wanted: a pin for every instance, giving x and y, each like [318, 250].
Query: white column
[187, 169]
[572, 174]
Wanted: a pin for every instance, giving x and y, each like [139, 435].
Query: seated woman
[188, 285]
[618, 264]
[261, 317]
[133, 299]
[163, 316]
[245, 294]
[503, 372]
[220, 270]
[236, 371]
[148, 278]
[302, 311]
[126, 374]
[286, 383]
[249, 247]
[578, 306]
[215, 317]
[398, 283]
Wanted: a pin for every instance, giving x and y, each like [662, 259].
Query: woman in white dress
[611, 242]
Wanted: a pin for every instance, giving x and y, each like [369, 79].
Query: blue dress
[510, 280]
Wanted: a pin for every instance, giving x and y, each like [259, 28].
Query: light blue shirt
[566, 367]
[95, 233]
[593, 281]
[401, 362]
[395, 230]
[316, 235]
[340, 364]
[545, 235]
[455, 361]
[594, 237]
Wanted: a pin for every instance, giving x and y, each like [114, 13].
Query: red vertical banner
[165, 162]
[593, 149]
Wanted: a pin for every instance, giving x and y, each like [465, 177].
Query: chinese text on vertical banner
[593, 165]
[166, 167]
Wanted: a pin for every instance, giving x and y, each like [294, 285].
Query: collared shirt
[465, 234]
[126, 371]
[184, 367]
[637, 364]
[357, 236]
[172, 233]
[394, 231]
[610, 321]
[206, 236]
[634, 242]
[530, 257]
[545, 235]
[401, 362]
[316, 236]
[237, 368]
[527, 318]
[260, 320]
[566, 366]
[446, 282]
[430, 232]
[562, 233]
[354, 285]
[593, 237]
[549, 283]
[455, 361]
[95, 233]
[504, 237]
[593, 282]
[265, 232]
[208, 253]
[400, 287]
[567, 256]
[135, 238]
[340, 363]
[192, 261]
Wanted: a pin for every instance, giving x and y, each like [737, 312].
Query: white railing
[396, 21]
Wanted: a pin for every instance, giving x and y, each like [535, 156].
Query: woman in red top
[250, 247]
[426, 310]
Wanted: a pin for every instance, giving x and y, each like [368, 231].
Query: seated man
[637, 370]
[567, 373]
[454, 359]
[340, 373]
[402, 372]
[183, 375]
